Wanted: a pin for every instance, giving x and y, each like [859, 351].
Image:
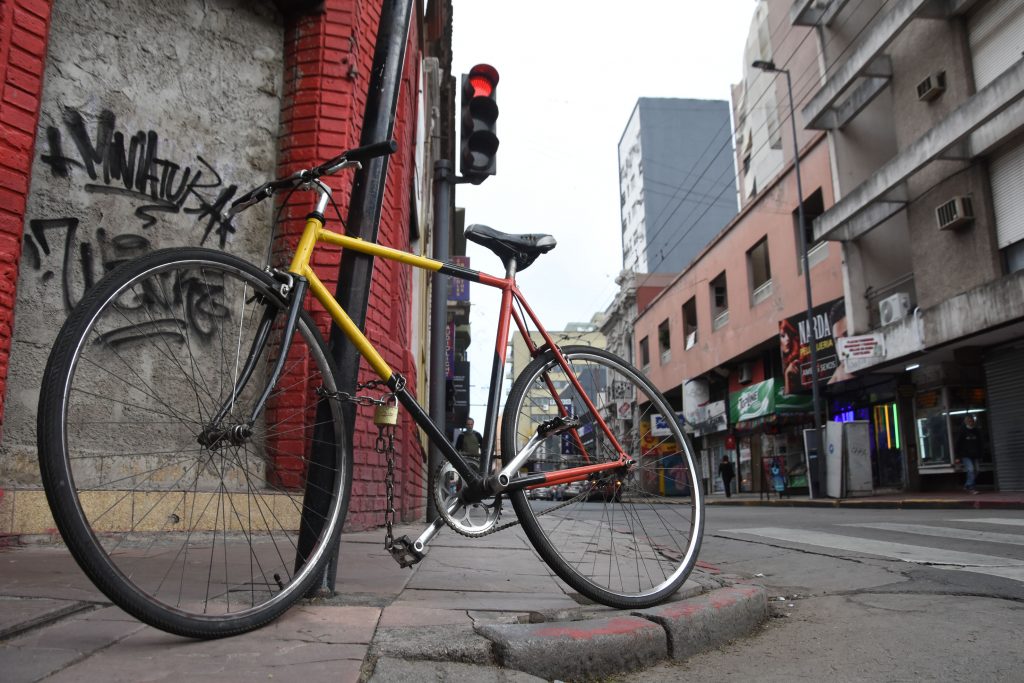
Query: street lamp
[769, 66]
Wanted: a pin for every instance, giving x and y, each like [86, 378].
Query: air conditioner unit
[955, 213]
[895, 307]
[746, 373]
[932, 86]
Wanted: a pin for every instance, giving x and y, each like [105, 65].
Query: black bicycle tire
[529, 521]
[63, 500]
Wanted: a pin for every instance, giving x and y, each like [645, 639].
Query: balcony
[973, 129]
[867, 71]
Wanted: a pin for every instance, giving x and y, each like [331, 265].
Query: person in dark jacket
[469, 442]
[726, 471]
[969, 448]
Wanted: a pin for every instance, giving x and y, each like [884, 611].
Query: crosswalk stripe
[941, 558]
[945, 532]
[1007, 521]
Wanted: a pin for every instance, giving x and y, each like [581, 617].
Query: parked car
[572, 489]
[606, 491]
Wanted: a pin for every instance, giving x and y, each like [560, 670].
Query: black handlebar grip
[247, 197]
[377, 149]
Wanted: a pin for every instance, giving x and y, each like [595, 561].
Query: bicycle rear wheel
[627, 538]
[199, 540]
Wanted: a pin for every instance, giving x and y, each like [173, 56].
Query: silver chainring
[475, 519]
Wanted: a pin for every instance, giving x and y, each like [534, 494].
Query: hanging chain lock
[385, 416]
[386, 412]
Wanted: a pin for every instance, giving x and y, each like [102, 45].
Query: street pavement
[865, 594]
[475, 610]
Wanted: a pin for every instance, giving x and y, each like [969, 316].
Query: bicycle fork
[215, 434]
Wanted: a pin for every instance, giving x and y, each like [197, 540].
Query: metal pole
[443, 187]
[815, 392]
[356, 269]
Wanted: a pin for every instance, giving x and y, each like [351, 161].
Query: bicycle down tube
[479, 483]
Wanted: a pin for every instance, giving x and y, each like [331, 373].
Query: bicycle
[192, 448]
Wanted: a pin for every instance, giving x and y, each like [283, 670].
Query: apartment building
[541, 405]
[711, 340]
[922, 105]
[675, 181]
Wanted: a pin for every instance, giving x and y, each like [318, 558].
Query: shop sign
[861, 351]
[458, 289]
[763, 399]
[753, 401]
[449, 357]
[796, 334]
[660, 428]
[708, 419]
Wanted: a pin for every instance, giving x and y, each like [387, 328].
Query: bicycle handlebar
[346, 159]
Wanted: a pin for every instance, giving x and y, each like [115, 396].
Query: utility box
[848, 459]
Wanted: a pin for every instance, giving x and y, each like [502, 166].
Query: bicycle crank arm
[407, 552]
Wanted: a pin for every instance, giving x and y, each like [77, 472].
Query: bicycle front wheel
[627, 537]
[183, 511]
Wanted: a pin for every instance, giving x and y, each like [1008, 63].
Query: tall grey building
[676, 181]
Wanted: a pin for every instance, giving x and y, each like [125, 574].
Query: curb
[707, 621]
[578, 650]
[919, 504]
[584, 650]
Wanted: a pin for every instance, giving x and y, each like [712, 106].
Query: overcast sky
[570, 75]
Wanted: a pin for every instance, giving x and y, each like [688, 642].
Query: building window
[664, 342]
[645, 353]
[817, 252]
[719, 302]
[760, 272]
[690, 323]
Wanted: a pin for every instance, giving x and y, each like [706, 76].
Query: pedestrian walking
[726, 471]
[468, 443]
[969, 447]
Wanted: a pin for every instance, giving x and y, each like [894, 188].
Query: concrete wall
[153, 115]
[945, 263]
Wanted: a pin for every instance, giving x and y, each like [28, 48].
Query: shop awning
[764, 403]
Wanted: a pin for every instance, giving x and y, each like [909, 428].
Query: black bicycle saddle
[523, 248]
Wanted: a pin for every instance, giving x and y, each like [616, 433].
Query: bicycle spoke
[195, 522]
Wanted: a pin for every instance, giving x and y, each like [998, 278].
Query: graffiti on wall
[133, 169]
[138, 173]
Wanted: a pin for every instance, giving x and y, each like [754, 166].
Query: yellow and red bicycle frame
[315, 233]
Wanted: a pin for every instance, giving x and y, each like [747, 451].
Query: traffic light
[479, 118]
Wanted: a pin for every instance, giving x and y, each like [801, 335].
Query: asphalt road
[877, 595]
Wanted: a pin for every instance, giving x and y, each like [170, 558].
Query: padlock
[386, 414]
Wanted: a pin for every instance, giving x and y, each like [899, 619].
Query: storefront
[939, 414]
[876, 402]
[1004, 369]
[706, 422]
[768, 430]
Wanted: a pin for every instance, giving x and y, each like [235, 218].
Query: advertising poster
[796, 334]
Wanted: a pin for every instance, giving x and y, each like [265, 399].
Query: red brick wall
[327, 65]
[24, 27]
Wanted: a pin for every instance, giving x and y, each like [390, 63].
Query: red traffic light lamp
[479, 118]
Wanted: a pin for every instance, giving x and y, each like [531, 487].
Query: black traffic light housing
[479, 118]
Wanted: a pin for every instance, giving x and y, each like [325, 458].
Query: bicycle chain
[385, 445]
[508, 525]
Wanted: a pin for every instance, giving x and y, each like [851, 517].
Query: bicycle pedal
[404, 553]
[558, 425]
